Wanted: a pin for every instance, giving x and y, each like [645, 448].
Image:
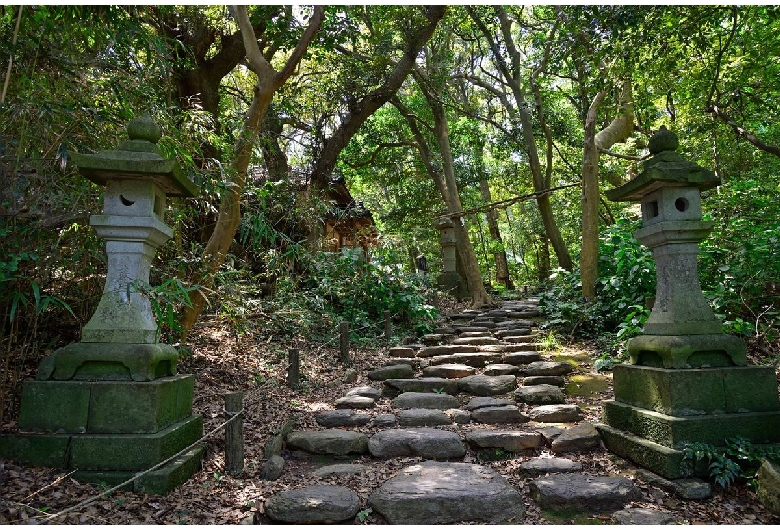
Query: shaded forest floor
[224, 363]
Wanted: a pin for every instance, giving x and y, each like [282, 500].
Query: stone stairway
[482, 385]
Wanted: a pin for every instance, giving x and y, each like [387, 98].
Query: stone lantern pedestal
[113, 404]
[450, 280]
[687, 381]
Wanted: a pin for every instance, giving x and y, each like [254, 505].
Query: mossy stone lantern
[113, 404]
[687, 381]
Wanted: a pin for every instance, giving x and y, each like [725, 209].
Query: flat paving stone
[449, 371]
[580, 438]
[643, 516]
[540, 395]
[401, 351]
[543, 466]
[501, 369]
[556, 380]
[339, 470]
[484, 401]
[475, 341]
[354, 402]
[498, 415]
[394, 387]
[366, 391]
[329, 442]
[313, 505]
[585, 492]
[520, 358]
[446, 349]
[487, 385]
[555, 413]
[547, 368]
[425, 400]
[436, 444]
[512, 441]
[341, 418]
[422, 418]
[447, 493]
[475, 359]
[394, 371]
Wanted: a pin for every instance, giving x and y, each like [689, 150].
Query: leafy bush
[626, 278]
[739, 460]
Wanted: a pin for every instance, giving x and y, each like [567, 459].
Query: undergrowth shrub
[626, 278]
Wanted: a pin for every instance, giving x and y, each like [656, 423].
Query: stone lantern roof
[138, 158]
[666, 168]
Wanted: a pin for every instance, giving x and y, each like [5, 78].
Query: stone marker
[425, 442]
[329, 442]
[583, 492]
[273, 468]
[447, 493]
[313, 505]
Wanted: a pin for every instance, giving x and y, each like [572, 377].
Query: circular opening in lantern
[681, 204]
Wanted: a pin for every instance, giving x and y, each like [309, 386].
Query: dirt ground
[225, 363]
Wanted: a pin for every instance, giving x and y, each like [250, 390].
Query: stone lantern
[687, 381]
[113, 404]
[450, 280]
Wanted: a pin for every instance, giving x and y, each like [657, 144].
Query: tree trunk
[543, 259]
[268, 81]
[499, 255]
[589, 256]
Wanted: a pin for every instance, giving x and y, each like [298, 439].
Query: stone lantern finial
[663, 140]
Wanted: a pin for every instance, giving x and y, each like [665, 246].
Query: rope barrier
[101, 495]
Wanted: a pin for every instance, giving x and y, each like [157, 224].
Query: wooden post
[388, 329]
[293, 368]
[344, 342]
[234, 433]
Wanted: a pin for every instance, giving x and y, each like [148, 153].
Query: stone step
[511, 441]
[318, 504]
[329, 442]
[555, 414]
[501, 369]
[532, 380]
[431, 493]
[547, 368]
[423, 418]
[547, 465]
[394, 387]
[584, 492]
[526, 334]
[475, 341]
[475, 360]
[341, 418]
[520, 358]
[393, 371]
[425, 400]
[428, 443]
[502, 414]
[447, 349]
[487, 385]
[448, 371]
[540, 395]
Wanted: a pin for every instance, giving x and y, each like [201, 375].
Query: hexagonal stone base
[447, 493]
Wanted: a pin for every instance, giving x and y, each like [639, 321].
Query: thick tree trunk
[589, 255]
[502, 268]
[268, 81]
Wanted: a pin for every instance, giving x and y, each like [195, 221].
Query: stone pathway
[480, 382]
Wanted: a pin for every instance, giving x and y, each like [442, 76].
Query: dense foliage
[515, 84]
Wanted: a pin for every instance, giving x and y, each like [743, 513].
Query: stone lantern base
[109, 430]
[657, 411]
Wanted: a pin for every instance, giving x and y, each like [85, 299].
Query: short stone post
[449, 280]
[344, 342]
[293, 368]
[688, 381]
[388, 326]
[234, 432]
